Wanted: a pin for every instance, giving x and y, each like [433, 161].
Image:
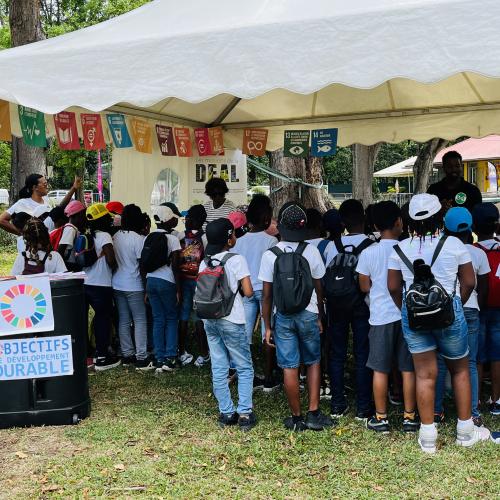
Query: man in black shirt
[454, 190]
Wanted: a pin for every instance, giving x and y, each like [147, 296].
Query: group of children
[311, 280]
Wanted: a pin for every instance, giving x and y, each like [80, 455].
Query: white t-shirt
[252, 246]
[165, 272]
[311, 254]
[128, 247]
[481, 267]
[53, 264]
[354, 240]
[453, 254]
[21, 246]
[100, 273]
[69, 234]
[27, 205]
[216, 213]
[49, 223]
[237, 269]
[373, 263]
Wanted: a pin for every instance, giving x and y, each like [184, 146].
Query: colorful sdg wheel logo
[23, 306]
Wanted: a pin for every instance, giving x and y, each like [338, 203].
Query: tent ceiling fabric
[386, 70]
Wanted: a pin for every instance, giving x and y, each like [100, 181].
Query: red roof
[487, 148]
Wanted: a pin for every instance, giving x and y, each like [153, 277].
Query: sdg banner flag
[183, 142]
[254, 141]
[141, 131]
[202, 139]
[66, 131]
[93, 136]
[324, 142]
[5, 132]
[165, 136]
[33, 126]
[25, 306]
[119, 132]
[36, 357]
[296, 143]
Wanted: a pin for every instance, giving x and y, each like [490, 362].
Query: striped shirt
[216, 213]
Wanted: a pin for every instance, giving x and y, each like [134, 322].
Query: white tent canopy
[380, 71]
[402, 169]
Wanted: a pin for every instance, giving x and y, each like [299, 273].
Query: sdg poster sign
[36, 358]
[324, 142]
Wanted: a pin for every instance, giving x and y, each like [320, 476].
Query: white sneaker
[427, 442]
[470, 439]
[185, 358]
[202, 361]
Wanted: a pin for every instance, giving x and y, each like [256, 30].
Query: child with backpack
[347, 310]
[98, 289]
[438, 278]
[387, 345]
[128, 289]
[160, 264]
[219, 303]
[252, 246]
[486, 225]
[38, 256]
[291, 273]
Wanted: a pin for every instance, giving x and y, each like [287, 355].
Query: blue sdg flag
[119, 131]
[324, 142]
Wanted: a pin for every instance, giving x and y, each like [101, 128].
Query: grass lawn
[156, 437]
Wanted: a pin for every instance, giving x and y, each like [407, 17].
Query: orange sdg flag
[141, 132]
[216, 140]
[183, 142]
[5, 132]
[254, 141]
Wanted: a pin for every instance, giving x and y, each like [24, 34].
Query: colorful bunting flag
[324, 142]
[202, 140]
[141, 132]
[5, 131]
[33, 126]
[296, 143]
[119, 132]
[166, 142]
[254, 141]
[216, 140]
[66, 131]
[183, 142]
[93, 136]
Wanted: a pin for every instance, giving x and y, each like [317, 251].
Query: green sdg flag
[296, 143]
[33, 126]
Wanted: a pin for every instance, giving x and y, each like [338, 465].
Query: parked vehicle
[4, 197]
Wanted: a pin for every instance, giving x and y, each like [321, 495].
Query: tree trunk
[311, 197]
[422, 168]
[25, 27]
[363, 160]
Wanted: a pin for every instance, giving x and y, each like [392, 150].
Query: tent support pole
[234, 102]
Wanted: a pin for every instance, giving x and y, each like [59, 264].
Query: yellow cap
[96, 211]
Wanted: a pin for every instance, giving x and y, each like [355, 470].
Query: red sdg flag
[66, 131]
[202, 139]
[93, 137]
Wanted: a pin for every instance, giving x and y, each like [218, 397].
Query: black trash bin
[58, 400]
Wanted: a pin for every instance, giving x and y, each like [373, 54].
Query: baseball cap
[423, 206]
[73, 208]
[458, 220]
[96, 211]
[218, 232]
[172, 207]
[485, 213]
[292, 221]
[239, 219]
[162, 213]
[114, 207]
[332, 221]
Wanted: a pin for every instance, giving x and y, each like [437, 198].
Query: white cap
[423, 206]
[162, 213]
[39, 211]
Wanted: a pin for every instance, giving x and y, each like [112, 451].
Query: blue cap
[485, 213]
[458, 220]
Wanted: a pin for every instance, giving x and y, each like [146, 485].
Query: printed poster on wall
[166, 141]
[254, 141]
[202, 140]
[93, 136]
[141, 132]
[183, 143]
[5, 131]
[296, 143]
[324, 142]
[33, 126]
[66, 131]
[119, 132]
[25, 306]
[216, 140]
[36, 358]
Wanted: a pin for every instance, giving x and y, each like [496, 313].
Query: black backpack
[428, 304]
[292, 281]
[33, 265]
[341, 279]
[155, 252]
[84, 249]
[213, 298]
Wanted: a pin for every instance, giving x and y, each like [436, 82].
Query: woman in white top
[451, 267]
[128, 288]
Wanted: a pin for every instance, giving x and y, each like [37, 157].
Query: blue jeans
[188, 289]
[338, 334]
[472, 319]
[253, 305]
[489, 337]
[163, 299]
[228, 344]
[131, 307]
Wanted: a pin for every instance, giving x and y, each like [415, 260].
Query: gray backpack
[213, 298]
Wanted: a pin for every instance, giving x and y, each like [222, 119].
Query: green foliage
[5, 157]
[255, 176]
[338, 168]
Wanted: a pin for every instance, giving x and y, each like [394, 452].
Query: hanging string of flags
[172, 141]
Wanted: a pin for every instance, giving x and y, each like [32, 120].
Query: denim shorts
[297, 339]
[489, 335]
[188, 289]
[451, 342]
